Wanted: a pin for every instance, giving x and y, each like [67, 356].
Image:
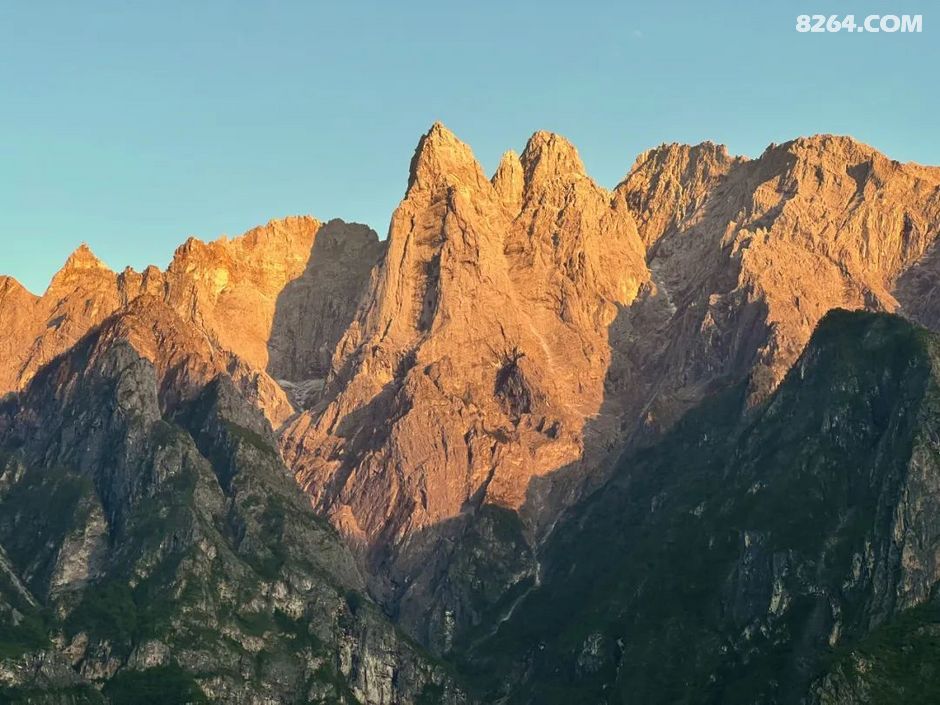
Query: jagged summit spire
[79, 264]
[83, 258]
[547, 156]
[441, 157]
[439, 128]
[509, 180]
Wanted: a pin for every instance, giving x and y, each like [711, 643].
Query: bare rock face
[184, 360]
[149, 532]
[16, 322]
[521, 331]
[479, 356]
[467, 380]
[314, 310]
[671, 182]
[272, 289]
[81, 295]
[747, 256]
[230, 288]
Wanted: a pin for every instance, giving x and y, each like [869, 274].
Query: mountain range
[545, 443]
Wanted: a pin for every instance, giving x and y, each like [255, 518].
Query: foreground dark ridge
[784, 557]
[156, 548]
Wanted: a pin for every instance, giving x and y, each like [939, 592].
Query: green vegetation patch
[74, 695]
[29, 633]
[164, 685]
[898, 662]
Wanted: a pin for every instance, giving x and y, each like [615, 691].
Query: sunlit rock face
[278, 298]
[748, 255]
[477, 361]
[521, 331]
[447, 396]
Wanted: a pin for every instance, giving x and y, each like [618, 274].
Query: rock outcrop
[229, 288]
[16, 322]
[273, 297]
[81, 295]
[477, 360]
[522, 330]
[315, 308]
[154, 542]
[785, 558]
[747, 256]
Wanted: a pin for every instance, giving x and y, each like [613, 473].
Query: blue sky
[132, 125]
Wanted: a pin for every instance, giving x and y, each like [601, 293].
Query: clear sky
[132, 125]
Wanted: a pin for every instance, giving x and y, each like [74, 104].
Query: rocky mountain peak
[280, 229]
[509, 180]
[670, 181]
[183, 358]
[274, 251]
[441, 159]
[671, 151]
[550, 157]
[84, 258]
[486, 320]
[231, 286]
[838, 147]
[478, 372]
[748, 255]
[145, 481]
[10, 287]
[246, 295]
[82, 268]
[824, 163]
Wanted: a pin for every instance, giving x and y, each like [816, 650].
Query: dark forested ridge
[783, 554]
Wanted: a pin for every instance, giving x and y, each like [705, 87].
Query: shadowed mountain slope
[789, 556]
[153, 541]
